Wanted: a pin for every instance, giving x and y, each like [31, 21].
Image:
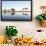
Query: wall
[27, 28]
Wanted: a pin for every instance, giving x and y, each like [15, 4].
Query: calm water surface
[16, 16]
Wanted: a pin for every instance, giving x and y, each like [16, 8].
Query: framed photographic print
[16, 10]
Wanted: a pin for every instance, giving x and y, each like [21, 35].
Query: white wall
[29, 27]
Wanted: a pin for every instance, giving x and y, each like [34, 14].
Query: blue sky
[16, 4]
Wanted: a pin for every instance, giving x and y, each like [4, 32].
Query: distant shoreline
[15, 11]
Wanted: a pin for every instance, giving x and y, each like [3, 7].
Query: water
[9, 16]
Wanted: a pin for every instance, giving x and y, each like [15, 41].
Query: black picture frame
[16, 20]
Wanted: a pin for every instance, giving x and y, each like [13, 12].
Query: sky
[16, 4]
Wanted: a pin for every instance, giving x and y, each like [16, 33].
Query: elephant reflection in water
[5, 11]
[24, 13]
[13, 11]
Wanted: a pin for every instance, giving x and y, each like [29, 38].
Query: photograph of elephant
[16, 11]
